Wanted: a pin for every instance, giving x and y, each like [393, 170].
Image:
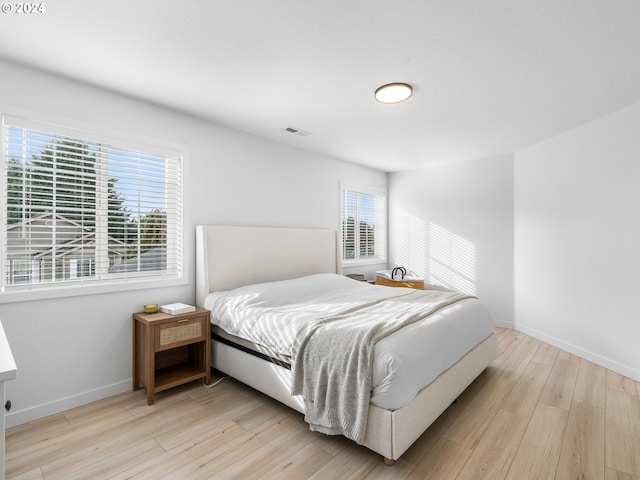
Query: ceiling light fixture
[393, 92]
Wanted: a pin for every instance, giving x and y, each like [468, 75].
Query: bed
[254, 261]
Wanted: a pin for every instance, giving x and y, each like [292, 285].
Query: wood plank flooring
[536, 413]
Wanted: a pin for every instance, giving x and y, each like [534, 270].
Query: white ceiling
[490, 76]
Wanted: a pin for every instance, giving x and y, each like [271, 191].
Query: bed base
[389, 433]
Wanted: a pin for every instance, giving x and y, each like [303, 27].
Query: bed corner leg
[389, 461]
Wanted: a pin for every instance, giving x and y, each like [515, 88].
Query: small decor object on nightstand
[151, 308]
[177, 308]
[357, 276]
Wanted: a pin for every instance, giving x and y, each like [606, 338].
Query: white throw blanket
[333, 356]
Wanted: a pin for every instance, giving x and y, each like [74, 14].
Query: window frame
[125, 141]
[380, 239]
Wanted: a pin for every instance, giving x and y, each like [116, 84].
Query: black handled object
[402, 270]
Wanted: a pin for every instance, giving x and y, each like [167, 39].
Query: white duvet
[271, 314]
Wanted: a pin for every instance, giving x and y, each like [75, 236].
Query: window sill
[357, 263]
[59, 291]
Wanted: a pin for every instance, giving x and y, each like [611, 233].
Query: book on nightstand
[177, 308]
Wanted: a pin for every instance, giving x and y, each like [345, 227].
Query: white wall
[73, 350]
[577, 234]
[454, 225]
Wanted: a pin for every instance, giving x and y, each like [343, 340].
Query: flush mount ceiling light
[393, 92]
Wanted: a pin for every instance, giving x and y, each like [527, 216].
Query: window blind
[363, 219]
[84, 208]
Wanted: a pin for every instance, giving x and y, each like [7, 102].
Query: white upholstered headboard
[230, 257]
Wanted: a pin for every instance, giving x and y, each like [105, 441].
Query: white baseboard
[502, 323]
[40, 411]
[598, 359]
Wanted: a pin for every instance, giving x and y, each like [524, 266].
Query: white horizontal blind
[77, 209]
[363, 223]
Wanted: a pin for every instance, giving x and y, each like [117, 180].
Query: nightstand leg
[150, 372]
[136, 380]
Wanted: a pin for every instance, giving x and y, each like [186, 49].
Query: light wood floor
[537, 412]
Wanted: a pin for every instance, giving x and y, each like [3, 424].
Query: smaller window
[363, 224]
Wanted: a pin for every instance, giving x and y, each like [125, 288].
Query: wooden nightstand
[169, 350]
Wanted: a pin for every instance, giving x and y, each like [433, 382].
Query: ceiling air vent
[297, 131]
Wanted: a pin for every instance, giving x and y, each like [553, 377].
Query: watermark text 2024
[23, 8]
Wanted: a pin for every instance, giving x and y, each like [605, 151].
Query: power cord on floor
[211, 385]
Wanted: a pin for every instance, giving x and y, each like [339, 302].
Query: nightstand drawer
[180, 332]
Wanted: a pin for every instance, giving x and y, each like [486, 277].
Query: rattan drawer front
[179, 333]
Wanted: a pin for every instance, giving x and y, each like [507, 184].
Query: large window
[78, 207]
[363, 219]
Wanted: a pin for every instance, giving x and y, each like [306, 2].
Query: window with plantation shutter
[363, 224]
[79, 207]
